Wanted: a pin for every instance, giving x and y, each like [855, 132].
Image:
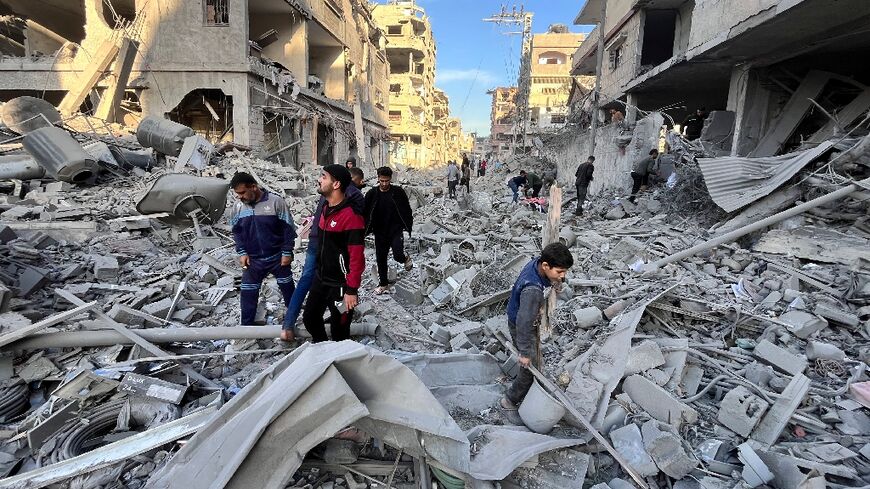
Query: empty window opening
[614, 57]
[552, 58]
[659, 32]
[325, 145]
[394, 30]
[208, 112]
[217, 12]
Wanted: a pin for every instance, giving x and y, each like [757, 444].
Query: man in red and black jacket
[340, 260]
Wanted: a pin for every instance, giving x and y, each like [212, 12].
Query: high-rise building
[503, 121]
[419, 114]
[550, 80]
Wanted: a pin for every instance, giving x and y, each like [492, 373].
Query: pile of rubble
[741, 361]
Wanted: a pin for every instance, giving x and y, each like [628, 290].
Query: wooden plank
[101, 61]
[49, 321]
[135, 338]
[550, 235]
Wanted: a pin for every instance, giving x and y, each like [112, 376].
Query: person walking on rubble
[582, 179]
[516, 182]
[452, 178]
[340, 259]
[294, 307]
[524, 310]
[481, 168]
[466, 174]
[388, 215]
[264, 234]
[641, 172]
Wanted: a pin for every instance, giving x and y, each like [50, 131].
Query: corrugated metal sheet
[735, 182]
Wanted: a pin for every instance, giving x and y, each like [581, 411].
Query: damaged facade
[423, 133]
[285, 71]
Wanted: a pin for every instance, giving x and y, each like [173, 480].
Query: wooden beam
[110, 103]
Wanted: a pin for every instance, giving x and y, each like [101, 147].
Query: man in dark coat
[582, 179]
[388, 214]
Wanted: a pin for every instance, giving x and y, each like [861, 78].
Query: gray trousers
[520, 386]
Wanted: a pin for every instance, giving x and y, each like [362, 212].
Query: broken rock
[740, 410]
[658, 402]
[665, 447]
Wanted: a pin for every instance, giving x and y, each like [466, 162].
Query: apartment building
[550, 80]
[419, 112]
[277, 74]
[504, 127]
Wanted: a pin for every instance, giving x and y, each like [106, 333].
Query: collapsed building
[423, 132]
[772, 76]
[268, 74]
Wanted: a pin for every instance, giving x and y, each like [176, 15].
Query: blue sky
[474, 56]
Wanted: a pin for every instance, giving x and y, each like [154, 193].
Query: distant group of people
[265, 234]
[461, 176]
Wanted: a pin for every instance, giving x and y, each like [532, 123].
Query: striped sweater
[265, 230]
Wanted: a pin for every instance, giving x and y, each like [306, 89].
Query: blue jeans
[294, 306]
[515, 188]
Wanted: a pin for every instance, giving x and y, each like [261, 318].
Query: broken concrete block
[658, 402]
[865, 452]
[772, 424]
[588, 317]
[585, 393]
[620, 484]
[7, 234]
[37, 368]
[755, 472]
[643, 357]
[837, 315]
[831, 452]
[30, 281]
[106, 268]
[818, 349]
[779, 358]
[461, 342]
[5, 296]
[802, 324]
[159, 308]
[740, 410]
[665, 446]
[511, 366]
[440, 334]
[629, 443]
[41, 241]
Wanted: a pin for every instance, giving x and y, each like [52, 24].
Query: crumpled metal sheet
[735, 182]
[507, 447]
[259, 438]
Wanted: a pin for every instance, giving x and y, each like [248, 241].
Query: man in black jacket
[582, 178]
[388, 215]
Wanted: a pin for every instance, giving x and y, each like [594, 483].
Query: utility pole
[596, 98]
[524, 77]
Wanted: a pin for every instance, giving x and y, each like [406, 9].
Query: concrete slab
[628, 441]
[665, 446]
[780, 358]
[643, 357]
[771, 426]
[658, 402]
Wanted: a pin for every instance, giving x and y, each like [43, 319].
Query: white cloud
[449, 75]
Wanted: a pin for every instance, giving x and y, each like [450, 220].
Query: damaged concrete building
[263, 73]
[423, 133]
[752, 66]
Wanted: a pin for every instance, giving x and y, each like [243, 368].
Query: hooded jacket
[265, 230]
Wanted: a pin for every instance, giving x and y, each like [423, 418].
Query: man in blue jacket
[524, 309]
[264, 234]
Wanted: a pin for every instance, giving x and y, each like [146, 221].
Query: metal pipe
[82, 339]
[20, 167]
[737, 233]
